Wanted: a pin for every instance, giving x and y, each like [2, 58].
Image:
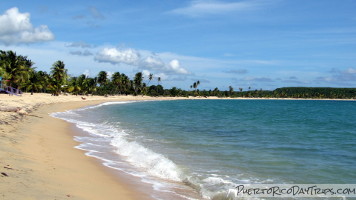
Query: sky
[256, 44]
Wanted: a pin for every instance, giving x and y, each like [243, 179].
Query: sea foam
[147, 163]
[155, 164]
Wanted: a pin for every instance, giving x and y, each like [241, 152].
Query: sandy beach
[37, 155]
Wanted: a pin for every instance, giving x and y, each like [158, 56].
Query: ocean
[199, 149]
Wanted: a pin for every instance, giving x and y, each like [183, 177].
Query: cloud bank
[16, 28]
[340, 76]
[117, 56]
[146, 63]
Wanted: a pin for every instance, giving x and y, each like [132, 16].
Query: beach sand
[37, 155]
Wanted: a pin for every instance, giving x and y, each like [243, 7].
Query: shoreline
[43, 163]
[38, 158]
[124, 172]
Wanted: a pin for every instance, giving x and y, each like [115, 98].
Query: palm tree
[59, 75]
[2, 69]
[102, 77]
[125, 83]
[138, 82]
[150, 77]
[216, 91]
[231, 90]
[80, 80]
[73, 86]
[34, 82]
[144, 89]
[44, 80]
[15, 68]
[195, 86]
[89, 86]
[159, 80]
[116, 80]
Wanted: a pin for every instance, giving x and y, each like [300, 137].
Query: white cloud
[348, 75]
[163, 76]
[16, 28]
[117, 56]
[199, 8]
[146, 74]
[134, 58]
[152, 62]
[156, 63]
[174, 66]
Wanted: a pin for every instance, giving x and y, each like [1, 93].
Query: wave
[155, 164]
[144, 159]
[147, 163]
[107, 103]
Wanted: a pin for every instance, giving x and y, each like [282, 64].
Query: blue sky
[249, 43]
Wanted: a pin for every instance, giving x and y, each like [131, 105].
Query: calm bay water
[210, 146]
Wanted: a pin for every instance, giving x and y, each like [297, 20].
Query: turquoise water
[212, 145]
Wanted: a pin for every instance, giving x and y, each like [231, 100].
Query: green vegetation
[18, 72]
[307, 92]
[16, 69]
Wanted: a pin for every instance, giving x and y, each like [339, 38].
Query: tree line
[18, 72]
